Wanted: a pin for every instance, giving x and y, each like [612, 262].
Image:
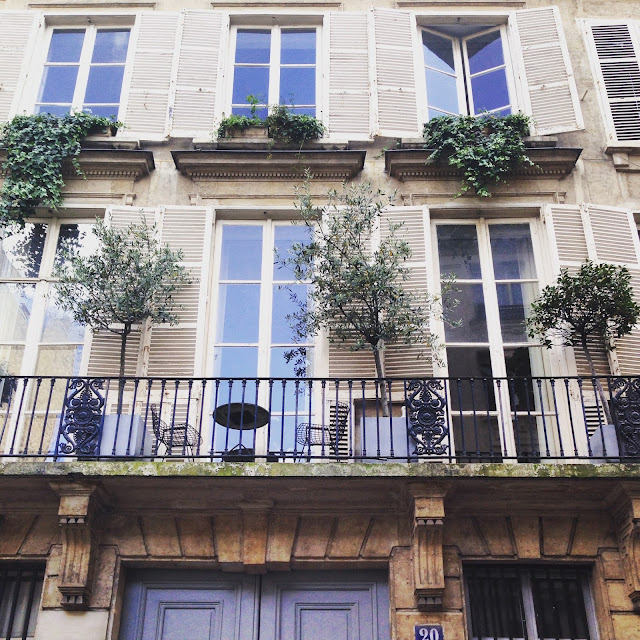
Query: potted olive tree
[596, 302]
[358, 295]
[130, 278]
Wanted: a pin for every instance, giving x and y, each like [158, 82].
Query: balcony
[461, 420]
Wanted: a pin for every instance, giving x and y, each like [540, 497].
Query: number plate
[429, 632]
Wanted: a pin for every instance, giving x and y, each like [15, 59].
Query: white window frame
[91, 24]
[603, 100]
[463, 76]
[274, 61]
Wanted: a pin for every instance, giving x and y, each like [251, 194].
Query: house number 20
[429, 632]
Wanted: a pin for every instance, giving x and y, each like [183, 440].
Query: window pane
[59, 360]
[21, 252]
[104, 84]
[75, 240]
[470, 362]
[111, 46]
[235, 362]
[65, 46]
[284, 305]
[288, 363]
[246, 111]
[438, 52]
[241, 252]
[521, 392]
[58, 84]
[59, 325]
[54, 110]
[250, 81]
[298, 47]
[514, 301]
[253, 46]
[284, 238]
[307, 111]
[297, 85]
[485, 52]
[16, 301]
[104, 111]
[10, 363]
[442, 91]
[471, 313]
[476, 437]
[490, 91]
[238, 312]
[458, 251]
[512, 252]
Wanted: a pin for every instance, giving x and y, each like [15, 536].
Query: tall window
[465, 74]
[36, 336]
[496, 281]
[84, 70]
[529, 602]
[277, 66]
[20, 595]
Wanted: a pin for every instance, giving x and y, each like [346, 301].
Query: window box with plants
[482, 150]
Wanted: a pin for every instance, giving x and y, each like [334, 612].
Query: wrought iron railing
[305, 420]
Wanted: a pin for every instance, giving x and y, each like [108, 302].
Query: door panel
[206, 605]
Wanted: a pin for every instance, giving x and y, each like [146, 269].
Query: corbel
[255, 531]
[79, 504]
[426, 545]
[627, 517]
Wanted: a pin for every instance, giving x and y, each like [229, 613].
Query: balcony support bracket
[428, 525]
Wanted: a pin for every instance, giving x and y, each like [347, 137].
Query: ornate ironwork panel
[81, 425]
[427, 423]
[626, 404]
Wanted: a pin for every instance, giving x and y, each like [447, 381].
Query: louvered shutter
[194, 103]
[349, 81]
[148, 99]
[176, 351]
[104, 355]
[406, 360]
[615, 239]
[547, 74]
[17, 32]
[397, 108]
[569, 242]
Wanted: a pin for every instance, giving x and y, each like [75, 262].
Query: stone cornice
[414, 164]
[264, 164]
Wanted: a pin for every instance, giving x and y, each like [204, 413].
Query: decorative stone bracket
[628, 525]
[428, 566]
[77, 512]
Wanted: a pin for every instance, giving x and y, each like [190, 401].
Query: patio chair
[327, 435]
[175, 436]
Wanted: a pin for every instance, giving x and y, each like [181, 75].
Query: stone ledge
[626, 157]
[414, 164]
[268, 164]
[123, 164]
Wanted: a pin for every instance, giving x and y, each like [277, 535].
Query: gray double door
[205, 605]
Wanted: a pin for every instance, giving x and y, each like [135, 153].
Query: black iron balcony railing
[303, 420]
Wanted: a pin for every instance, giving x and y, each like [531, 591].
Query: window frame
[274, 62]
[463, 80]
[91, 24]
[524, 574]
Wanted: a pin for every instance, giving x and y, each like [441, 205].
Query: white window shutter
[349, 80]
[147, 109]
[176, 351]
[397, 108]
[17, 33]
[408, 360]
[199, 58]
[547, 74]
[618, 77]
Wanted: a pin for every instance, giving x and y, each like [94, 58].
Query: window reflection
[21, 252]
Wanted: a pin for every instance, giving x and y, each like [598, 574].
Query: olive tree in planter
[357, 294]
[130, 278]
[596, 302]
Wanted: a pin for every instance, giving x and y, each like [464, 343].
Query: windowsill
[240, 160]
[120, 160]
[265, 144]
[625, 156]
[410, 161]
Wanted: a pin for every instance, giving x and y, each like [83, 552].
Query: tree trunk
[603, 398]
[384, 398]
[123, 350]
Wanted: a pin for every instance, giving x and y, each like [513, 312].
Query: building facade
[495, 501]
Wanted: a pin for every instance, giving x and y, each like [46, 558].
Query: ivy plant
[487, 148]
[37, 146]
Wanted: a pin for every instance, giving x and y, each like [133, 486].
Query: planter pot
[250, 133]
[604, 443]
[384, 434]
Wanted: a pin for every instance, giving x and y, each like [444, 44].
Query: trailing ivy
[487, 148]
[37, 146]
